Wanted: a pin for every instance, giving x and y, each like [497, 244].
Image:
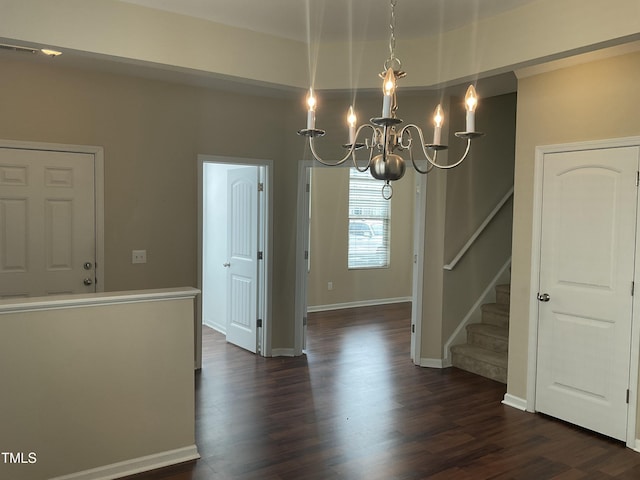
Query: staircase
[486, 350]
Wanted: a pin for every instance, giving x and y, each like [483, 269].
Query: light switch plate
[138, 256]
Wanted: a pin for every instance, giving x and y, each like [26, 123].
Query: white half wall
[90, 381]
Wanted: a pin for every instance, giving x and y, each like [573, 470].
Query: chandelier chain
[392, 27]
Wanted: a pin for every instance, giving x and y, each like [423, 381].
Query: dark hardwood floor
[355, 407]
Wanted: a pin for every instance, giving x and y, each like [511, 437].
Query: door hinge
[260, 255]
[308, 187]
[304, 321]
[413, 328]
[633, 288]
[306, 254]
[259, 323]
[638, 178]
[261, 187]
[628, 395]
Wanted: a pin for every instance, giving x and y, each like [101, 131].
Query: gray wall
[152, 132]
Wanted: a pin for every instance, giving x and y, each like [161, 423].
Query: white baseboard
[135, 465]
[637, 447]
[361, 303]
[283, 352]
[515, 402]
[216, 326]
[432, 363]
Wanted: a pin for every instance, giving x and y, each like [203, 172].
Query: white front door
[47, 223]
[242, 263]
[585, 290]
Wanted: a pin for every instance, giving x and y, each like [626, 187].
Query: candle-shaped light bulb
[389, 85]
[388, 88]
[311, 110]
[470, 104]
[438, 120]
[352, 120]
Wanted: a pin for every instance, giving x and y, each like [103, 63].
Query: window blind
[369, 222]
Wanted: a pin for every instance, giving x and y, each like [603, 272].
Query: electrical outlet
[138, 256]
[330, 286]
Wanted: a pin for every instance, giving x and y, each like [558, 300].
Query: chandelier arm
[370, 147]
[415, 166]
[329, 164]
[406, 130]
[409, 146]
[351, 150]
[366, 167]
[464, 156]
[432, 161]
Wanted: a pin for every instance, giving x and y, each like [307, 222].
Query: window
[369, 219]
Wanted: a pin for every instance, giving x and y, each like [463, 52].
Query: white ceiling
[337, 19]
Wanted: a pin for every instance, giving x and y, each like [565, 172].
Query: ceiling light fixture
[51, 53]
[386, 136]
[32, 50]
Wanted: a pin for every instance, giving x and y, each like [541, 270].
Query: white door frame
[419, 233]
[265, 229]
[302, 240]
[532, 357]
[98, 178]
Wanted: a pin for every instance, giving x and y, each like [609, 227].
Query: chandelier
[387, 138]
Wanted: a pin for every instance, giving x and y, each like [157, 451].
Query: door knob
[544, 297]
[87, 281]
[226, 265]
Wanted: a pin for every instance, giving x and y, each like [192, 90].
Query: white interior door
[585, 299]
[242, 263]
[47, 223]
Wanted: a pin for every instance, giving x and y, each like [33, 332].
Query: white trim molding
[515, 402]
[31, 304]
[136, 465]
[417, 280]
[451, 265]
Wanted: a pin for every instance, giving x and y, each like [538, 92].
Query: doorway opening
[234, 201]
[303, 254]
